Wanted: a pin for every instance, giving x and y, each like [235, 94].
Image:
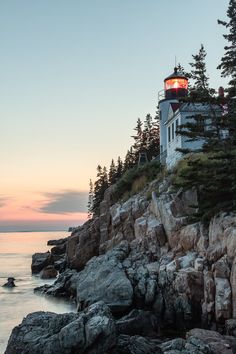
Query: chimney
[221, 92]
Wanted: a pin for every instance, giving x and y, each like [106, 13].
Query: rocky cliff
[152, 272]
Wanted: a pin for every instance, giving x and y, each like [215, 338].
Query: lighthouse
[175, 87]
[174, 112]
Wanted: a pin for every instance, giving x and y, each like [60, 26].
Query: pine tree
[200, 87]
[138, 143]
[90, 199]
[146, 136]
[213, 171]
[112, 173]
[119, 169]
[129, 160]
[182, 71]
[228, 61]
[100, 185]
[197, 126]
[153, 145]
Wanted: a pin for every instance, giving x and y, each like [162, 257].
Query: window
[200, 123]
[160, 114]
[168, 134]
[176, 124]
[173, 131]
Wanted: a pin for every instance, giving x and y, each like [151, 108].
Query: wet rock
[10, 283]
[58, 242]
[216, 343]
[64, 286]
[40, 261]
[174, 345]
[48, 272]
[138, 322]
[83, 244]
[230, 326]
[137, 345]
[104, 279]
[233, 287]
[60, 264]
[59, 249]
[90, 332]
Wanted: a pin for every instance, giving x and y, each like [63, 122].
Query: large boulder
[64, 286]
[233, 287]
[216, 343]
[137, 345]
[10, 283]
[117, 222]
[48, 272]
[40, 261]
[189, 236]
[57, 242]
[92, 332]
[138, 322]
[59, 249]
[222, 237]
[83, 245]
[165, 209]
[104, 279]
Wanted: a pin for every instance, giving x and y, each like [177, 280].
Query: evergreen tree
[213, 171]
[100, 185]
[90, 199]
[153, 144]
[138, 142]
[129, 160]
[181, 70]
[119, 169]
[112, 173]
[228, 61]
[200, 87]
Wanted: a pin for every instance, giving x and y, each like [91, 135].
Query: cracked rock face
[104, 278]
[150, 267]
[92, 331]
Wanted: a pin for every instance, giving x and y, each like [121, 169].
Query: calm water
[16, 250]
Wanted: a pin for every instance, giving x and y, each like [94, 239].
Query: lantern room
[176, 86]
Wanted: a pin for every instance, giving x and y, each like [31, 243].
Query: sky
[74, 77]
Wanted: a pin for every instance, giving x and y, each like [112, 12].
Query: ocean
[16, 249]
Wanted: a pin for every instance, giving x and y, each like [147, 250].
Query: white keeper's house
[173, 113]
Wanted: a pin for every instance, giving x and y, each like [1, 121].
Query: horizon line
[57, 230]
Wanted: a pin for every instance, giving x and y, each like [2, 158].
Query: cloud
[65, 202]
[3, 201]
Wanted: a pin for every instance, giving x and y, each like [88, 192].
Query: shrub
[135, 179]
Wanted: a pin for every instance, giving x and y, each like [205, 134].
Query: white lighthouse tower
[175, 87]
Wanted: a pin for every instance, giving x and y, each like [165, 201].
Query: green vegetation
[212, 168]
[213, 171]
[127, 175]
[135, 180]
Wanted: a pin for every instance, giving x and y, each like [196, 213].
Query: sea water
[16, 251]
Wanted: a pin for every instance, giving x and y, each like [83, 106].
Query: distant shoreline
[21, 231]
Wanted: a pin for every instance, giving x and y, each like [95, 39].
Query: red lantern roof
[176, 81]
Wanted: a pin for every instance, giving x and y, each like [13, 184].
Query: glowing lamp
[176, 85]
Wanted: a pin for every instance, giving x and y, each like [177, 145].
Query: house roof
[175, 106]
[177, 109]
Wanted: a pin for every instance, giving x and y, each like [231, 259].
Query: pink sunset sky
[75, 76]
